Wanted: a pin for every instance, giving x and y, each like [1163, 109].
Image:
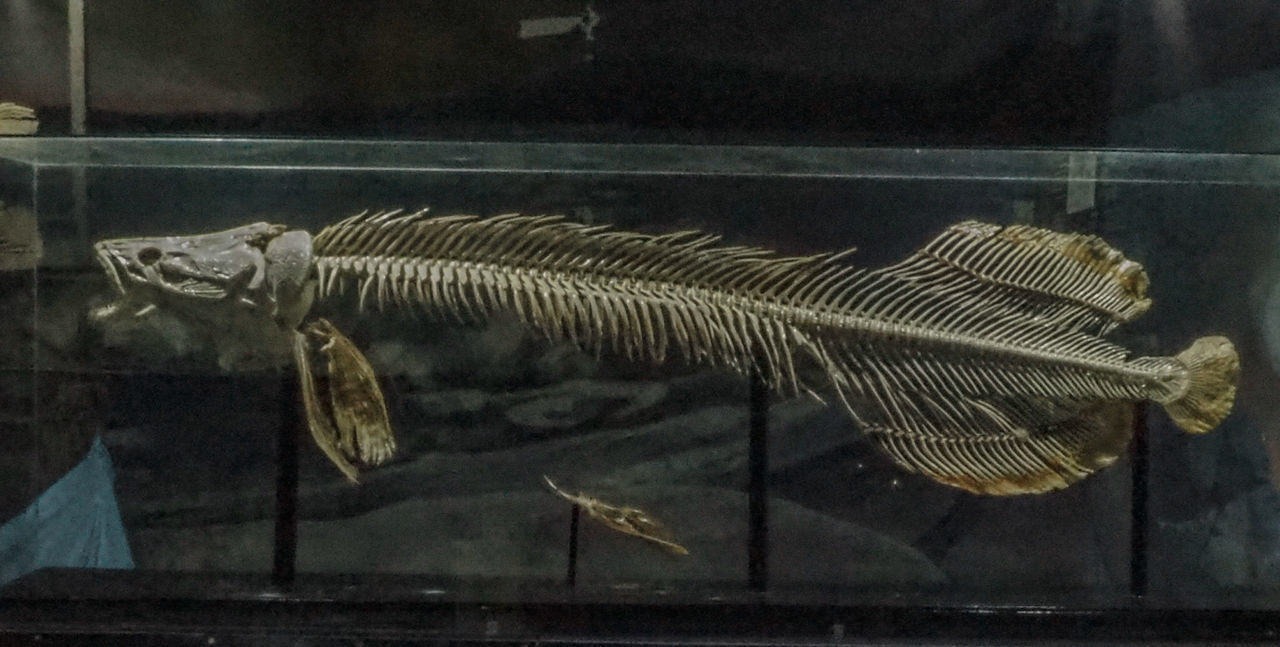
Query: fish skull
[244, 290]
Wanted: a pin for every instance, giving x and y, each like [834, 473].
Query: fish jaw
[111, 263]
[130, 302]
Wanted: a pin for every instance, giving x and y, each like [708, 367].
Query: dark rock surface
[524, 534]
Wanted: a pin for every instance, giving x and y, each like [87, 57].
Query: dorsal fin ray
[383, 256]
[988, 336]
[1075, 281]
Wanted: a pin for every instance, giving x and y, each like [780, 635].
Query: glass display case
[151, 487]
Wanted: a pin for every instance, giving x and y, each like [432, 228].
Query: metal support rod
[285, 548]
[76, 66]
[36, 360]
[757, 486]
[78, 99]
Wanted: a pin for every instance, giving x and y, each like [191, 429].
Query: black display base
[77, 606]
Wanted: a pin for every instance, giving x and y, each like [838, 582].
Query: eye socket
[149, 255]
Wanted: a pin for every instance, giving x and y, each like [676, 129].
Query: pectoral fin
[318, 419]
[359, 410]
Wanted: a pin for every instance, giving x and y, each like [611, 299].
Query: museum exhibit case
[515, 391]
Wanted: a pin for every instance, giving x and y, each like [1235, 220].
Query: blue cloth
[75, 523]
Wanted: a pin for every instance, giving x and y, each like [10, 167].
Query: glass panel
[483, 411]
[19, 451]
[1211, 253]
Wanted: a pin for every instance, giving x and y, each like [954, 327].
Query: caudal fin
[1213, 367]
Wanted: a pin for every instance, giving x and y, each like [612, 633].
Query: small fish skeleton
[624, 519]
[979, 360]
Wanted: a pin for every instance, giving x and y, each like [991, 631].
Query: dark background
[993, 72]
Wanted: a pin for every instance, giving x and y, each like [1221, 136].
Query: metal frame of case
[190, 609]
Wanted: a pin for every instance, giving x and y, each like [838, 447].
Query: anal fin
[1053, 457]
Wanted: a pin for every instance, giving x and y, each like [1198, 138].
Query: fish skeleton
[624, 519]
[979, 360]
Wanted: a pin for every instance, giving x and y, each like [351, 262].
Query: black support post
[571, 577]
[1138, 499]
[757, 486]
[292, 421]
